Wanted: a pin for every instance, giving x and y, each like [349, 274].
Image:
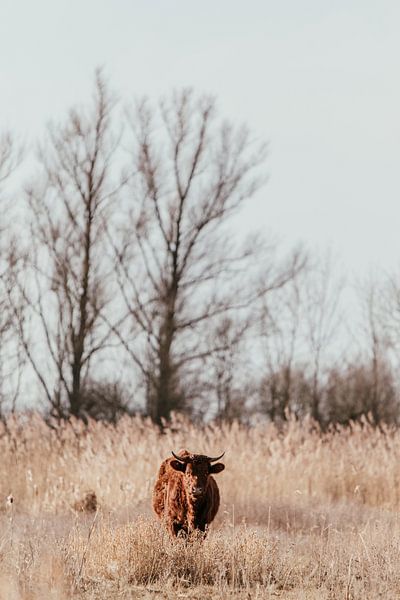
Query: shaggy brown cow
[186, 496]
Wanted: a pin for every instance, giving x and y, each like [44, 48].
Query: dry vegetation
[302, 515]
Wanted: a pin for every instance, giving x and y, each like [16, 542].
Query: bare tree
[381, 312]
[229, 369]
[386, 305]
[181, 269]
[11, 359]
[280, 322]
[69, 284]
[323, 320]
[377, 347]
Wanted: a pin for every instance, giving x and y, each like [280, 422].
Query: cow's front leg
[177, 529]
[174, 528]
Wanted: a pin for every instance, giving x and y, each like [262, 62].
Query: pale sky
[319, 80]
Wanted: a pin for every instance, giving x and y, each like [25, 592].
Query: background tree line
[126, 283]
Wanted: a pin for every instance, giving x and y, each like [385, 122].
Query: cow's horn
[182, 459]
[216, 458]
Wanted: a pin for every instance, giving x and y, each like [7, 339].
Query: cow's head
[196, 468]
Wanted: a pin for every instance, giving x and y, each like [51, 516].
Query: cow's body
[186, 496]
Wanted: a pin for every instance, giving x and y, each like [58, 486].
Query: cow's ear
[178, 466]
[217, 468]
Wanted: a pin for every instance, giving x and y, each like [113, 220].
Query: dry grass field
[303, 516]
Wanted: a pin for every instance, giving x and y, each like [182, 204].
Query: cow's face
[196, 472]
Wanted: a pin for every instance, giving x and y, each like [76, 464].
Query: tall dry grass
[303, 515]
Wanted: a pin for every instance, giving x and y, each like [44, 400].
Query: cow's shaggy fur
[186, 496]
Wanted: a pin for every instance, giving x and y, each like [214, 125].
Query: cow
[186, 496]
